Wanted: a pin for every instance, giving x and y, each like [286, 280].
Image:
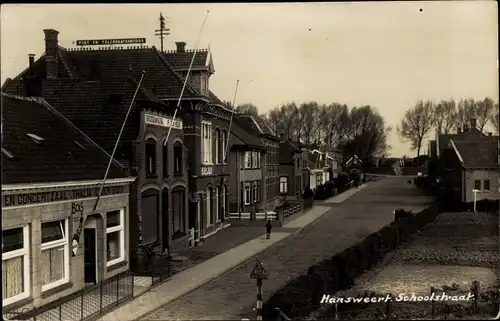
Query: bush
[308, 193]
[320, 193]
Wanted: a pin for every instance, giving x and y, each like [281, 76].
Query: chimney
[51, 44]
[473, 123]
[459, 130]
[490, 134]
[181, 46]
[465, 128]
[282, 137]
[31, 58]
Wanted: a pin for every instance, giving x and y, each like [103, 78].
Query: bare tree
[484, 111]
[465, 111]
[283, 119]
[416, 124]
[495, 119]
[248, 108]
[445, 116]
[335, 122]
[307, 116]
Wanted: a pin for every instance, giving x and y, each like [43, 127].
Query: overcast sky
[386, 54]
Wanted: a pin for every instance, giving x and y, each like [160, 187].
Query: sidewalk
[194, 277]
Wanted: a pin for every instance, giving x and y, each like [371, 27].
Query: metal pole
[259, 299]
[117, 141]
[187, 77]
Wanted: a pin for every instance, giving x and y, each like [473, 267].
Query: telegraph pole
[162, 32]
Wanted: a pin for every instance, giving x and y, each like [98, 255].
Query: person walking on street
[269, 227]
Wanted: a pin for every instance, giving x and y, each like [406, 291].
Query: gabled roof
[353, 160]
[182, 60]
[442, 141]
[479, 153]
[63, 153]
[98, 64]
[244, 140]
[255, 125]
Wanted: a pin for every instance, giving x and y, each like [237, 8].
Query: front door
[90, 260]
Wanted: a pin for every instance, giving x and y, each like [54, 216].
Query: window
[15, 265]
[209, 207]
[283, 184]
[248, 194]
[217, 146]
[224, 145]
[254, 192]
[178, 151]
[178, 212]
[217, 205]
[206, 134]
[150, 157]
[297, 163]
[259, 191]
[149, 219]
[477, 184]
[165, 160]
[248, 160]
[486, 185]
[115, 237]
[55, 254]
[319, 178]
[224, 204]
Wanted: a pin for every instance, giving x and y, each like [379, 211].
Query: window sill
[57, 289]
[17, 304]
[116, 266]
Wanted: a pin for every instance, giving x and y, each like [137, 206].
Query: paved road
[232, 296]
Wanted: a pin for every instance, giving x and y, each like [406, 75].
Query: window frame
[247, 189]
[283, 183]
[207, 143]
[224, 199]
[57, 243]
[24, 253]
[248, 160]
[151, 142]
[486, 185]
[217, 209]
[476, 181]
[217, 151]
[178, 158]
[208, 207]
[165, 160]
[225, 143]
[120, 228]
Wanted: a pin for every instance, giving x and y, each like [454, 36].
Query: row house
[315, 168]
[259, 128]
[323, 161]
[292, 181]
[247, 162]
[57, 234]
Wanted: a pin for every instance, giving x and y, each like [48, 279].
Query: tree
[307, 116]
[335, 121]
[416, 124]
[445, 116]
[465, 111]
[495, 119]
[283, 119]
[248, 108]
[484, 111]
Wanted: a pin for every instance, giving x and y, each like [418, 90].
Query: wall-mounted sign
[57, 196]
[162, 121]
[206, 170]
[104, 42]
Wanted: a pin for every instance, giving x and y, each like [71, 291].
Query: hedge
[302, 295]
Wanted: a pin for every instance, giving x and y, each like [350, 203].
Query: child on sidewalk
[269, 227]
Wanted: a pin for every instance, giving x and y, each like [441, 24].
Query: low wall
[302, 295]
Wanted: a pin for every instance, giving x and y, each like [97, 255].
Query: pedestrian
[269, 227]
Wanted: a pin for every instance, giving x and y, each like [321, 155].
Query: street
[232, 295]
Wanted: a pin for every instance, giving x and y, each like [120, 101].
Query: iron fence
[85, 305]
[158, 266]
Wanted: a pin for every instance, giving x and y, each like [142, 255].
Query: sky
[384, 54]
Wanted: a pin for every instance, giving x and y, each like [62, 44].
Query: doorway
[90, 255]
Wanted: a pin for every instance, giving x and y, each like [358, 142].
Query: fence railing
[258, 216]
[158, 266]
[87, 304]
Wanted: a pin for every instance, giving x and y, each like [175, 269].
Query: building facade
[62, 228]
[292, 183]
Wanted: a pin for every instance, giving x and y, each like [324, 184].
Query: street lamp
[475, 191]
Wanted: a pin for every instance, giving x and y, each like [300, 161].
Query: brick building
[53, 240]
[258, 127]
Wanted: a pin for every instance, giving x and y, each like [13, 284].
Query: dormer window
[7, 154]
[37, 139]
